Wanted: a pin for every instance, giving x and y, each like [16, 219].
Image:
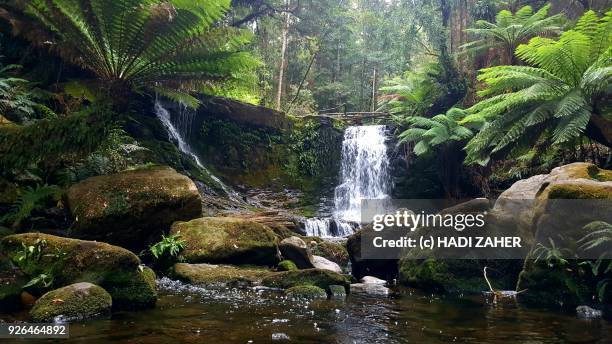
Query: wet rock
[70, 260]
[132, 209]
[296, 250]
[337, 291]
[320, 278]
[372, 280]
[219, 275]
[383, 268]
[227, 240]
[306, 292]
[325, 264]
[287, 265]
[75, 302]
[586, 312]
[373, 289]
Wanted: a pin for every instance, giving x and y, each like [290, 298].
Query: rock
[296, 250]
[219, 275]
[337, 291]
[320, 278]
[11, 282]
[383, 268]
[70, 260]
[306, 292]
[27, 300]
[334, 251]
[372, 280]
[369, 289]
[325, 264]
[586, 312]
[132, 209]
[287, 265]
[226, 240]
[74, 302]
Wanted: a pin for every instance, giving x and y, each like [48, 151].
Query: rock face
[320, 278]
[77, 301]
[219, 275]
[69, 260]
[226, 240]
[132, 209]
[296, 250]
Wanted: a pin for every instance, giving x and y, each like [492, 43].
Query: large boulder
[320, 278]
[227, 240]
[296, 250]
[132, 209]
[219, 275]
[383, 268]
[69, 261]
[325, 264]
[77, 301]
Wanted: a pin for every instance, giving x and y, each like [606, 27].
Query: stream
[190, 314]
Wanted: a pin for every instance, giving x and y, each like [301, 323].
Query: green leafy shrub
[30, 200]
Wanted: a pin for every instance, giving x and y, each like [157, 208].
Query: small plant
[552, 256]
[43, 280]
[33, 254]
[169, 246]
[599, 238]
[29, 201]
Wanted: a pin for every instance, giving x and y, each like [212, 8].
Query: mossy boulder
[287, 265]
[306, 292]
[132, 209]
[314, 277]
[70, 260]
[227, 240]
[77, 301]
[219, 275]
[296, 250]
[334, 251]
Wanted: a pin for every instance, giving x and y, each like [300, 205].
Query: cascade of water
[164, 116]
[364, 175]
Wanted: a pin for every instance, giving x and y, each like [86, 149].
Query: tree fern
[169, 46]
[510, 30]
[565, 88]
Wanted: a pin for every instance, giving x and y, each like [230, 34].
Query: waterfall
[175, 135]
[364, 175]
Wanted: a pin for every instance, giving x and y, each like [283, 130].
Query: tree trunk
[374, 91]
[283, 62]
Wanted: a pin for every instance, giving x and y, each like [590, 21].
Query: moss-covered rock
[306, 292]
[132, 209]
[227, 240]
[287, 265]
[320, 278]
[334, 251]
[219, 275]
[70, 260]
[77, 301]
[296, 250]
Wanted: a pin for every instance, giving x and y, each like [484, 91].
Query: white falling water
[164, 116]
[364, 175]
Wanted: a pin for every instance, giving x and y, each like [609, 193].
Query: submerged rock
[296, 250]
[227, 240]
[586, 312]
[70, 260]
[219, 275]
[77, 301]
[132, 209]
[320, 278]
[325, 264]
[337, 291]
[306, 292]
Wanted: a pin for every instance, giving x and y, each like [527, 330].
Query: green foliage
[170, 246]
[31, 255]
[30, 200]
[510, 30]
[428, 133]
[170, 47]
[552, 256]
[565, 85]
[599, 239]
[311, 145]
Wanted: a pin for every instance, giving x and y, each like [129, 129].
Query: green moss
[76, 302]
[287, 265]
[579, 191]
[134, 290]
[336, 252]
[553, 285]
[227, 240]
[216, 275]
[306, 292]
[314, 277]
